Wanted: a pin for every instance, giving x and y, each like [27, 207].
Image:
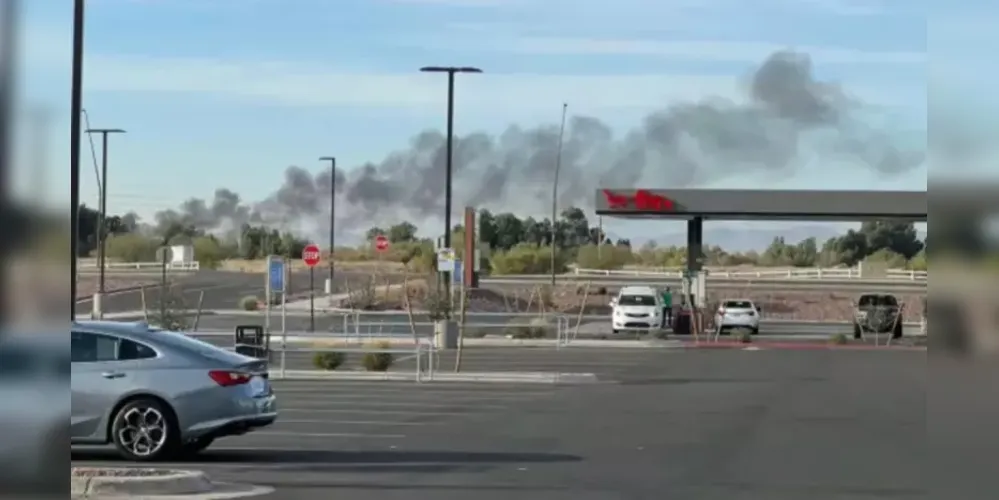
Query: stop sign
[381, 243]
[311, 255]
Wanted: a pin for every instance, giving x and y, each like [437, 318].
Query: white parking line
[328, 435]
[402, 395]
[331, 388]
[303, 405]
[347, 411]
[389, 423]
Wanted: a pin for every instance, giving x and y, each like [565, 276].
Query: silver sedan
[156, 394]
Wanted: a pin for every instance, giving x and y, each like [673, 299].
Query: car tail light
[721, 310]
[227, 378]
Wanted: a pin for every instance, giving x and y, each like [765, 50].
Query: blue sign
[275, 272]
[456, 275]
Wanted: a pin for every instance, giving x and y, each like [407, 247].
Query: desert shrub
[328, 360]
[537, 328]
[601, 290]
[132, 248]
[839, 339]
[743, 335]
[603, 257]
[527, 259]
[249, 303]
[170, 311]
[378, 361]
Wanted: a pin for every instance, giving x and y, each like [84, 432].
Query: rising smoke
[786, 119]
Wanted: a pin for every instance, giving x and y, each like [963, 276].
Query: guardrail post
[419, 363]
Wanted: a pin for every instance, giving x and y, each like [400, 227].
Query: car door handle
[112, 374]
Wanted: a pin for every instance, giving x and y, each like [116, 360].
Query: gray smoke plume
[786, 119]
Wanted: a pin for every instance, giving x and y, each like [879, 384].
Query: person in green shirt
[667, 307]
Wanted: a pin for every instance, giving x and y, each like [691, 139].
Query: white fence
[139, 266]
[832, 273]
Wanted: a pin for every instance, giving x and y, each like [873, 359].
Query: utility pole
[76, 109]
[332, 160]
[558, 167]
[102, 221]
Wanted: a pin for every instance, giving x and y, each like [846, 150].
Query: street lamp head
[105, 131]
[327, 158]
[450, 69]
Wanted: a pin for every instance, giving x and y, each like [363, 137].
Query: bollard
[96, 311]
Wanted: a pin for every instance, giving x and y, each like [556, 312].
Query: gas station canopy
[744, 204]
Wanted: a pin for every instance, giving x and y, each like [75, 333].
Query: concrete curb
[175, 482]
[799, 346]
[485, 377]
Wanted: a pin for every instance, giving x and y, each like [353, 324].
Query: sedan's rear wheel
[144, 430]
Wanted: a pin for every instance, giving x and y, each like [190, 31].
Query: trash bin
[682, 323]
[250, 340]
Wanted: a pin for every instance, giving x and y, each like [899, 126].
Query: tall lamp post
[451, 71]
[102, 221]
[332, 160]
[76, 109]
[558, 166]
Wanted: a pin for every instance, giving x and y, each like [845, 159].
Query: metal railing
[424, 370]
[832, 273]
[360, 326]
[85, 266]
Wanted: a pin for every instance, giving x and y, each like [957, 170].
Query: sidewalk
[440, 376]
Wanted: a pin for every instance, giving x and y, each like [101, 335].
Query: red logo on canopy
[643, 199]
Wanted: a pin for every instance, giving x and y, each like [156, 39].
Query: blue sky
[230, 92]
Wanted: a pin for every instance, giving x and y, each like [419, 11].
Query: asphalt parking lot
[734, 425]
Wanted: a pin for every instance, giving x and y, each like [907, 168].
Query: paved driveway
[733, 425]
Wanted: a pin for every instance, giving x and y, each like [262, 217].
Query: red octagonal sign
[381, 243]
[311, 255]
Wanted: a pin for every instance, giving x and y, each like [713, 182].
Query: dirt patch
[259, 266]
[87, 286]
[798, 305]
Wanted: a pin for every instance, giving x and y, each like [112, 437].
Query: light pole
[76, 109]
[102, 221]
[332, 160]
[558, 166]
[450, 70]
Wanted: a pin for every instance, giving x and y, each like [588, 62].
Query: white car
[637, 308]
[738, 313]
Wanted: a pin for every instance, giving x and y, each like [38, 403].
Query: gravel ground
[87, 286]
[796, 305]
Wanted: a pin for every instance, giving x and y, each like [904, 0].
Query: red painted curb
[799, 346]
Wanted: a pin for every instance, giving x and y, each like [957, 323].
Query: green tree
[132, 248]
[402, 232]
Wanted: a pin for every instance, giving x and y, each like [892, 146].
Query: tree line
[515, 245]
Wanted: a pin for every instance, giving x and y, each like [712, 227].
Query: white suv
[637, 308]
[738, 313]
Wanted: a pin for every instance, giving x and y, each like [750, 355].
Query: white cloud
[314, 84]
[842, 7]
[694, 50]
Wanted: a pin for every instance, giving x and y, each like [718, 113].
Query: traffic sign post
[311, 255]
[274, 282]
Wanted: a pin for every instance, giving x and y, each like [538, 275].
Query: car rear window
[878, 300]
[738, 304]
[637, 300]
[180, 341]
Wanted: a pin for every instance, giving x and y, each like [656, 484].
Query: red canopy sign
[642, 199]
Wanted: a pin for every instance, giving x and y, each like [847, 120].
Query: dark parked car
[877, 313]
